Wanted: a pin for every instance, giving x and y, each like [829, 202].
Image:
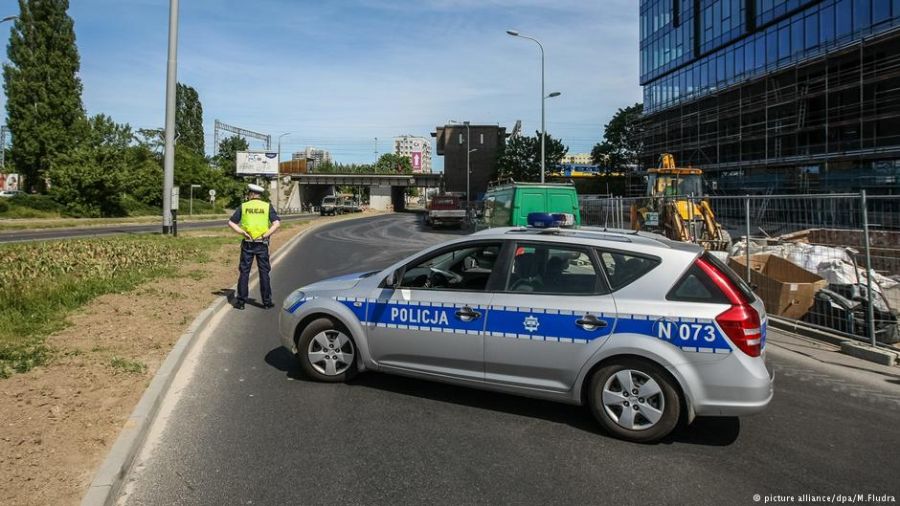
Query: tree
[89, 179]
[622, 139]
[227, 154]
[44, 109]
[520, 158]
[189, 119]
[390, 163]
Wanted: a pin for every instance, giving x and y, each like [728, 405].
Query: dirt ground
[58, 422]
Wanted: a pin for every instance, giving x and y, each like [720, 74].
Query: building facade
[313, 156]
[774, 96]
[577, 159]
[482, 142]
[418, 149]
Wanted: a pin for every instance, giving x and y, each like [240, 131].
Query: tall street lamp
[278, 175]
[8, 18]
[468, 167]
[171, 79]
[544, 97]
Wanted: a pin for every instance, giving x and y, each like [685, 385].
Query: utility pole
[169, 159]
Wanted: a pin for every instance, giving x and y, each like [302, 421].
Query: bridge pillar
[380, 198]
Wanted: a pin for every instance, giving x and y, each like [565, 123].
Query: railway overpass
[294, 190]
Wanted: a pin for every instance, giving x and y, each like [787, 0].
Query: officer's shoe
[268, 304]
[239, 304]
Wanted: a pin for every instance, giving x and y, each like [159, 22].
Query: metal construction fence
[830, 261]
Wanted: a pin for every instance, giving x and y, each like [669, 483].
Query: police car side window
[551, 269]
[466, 268]
[623, 269]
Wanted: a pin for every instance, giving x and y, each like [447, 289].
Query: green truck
[508, 204]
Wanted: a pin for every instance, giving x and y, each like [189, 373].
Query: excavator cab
[675, 208]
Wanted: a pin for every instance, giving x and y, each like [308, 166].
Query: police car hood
[345, 282]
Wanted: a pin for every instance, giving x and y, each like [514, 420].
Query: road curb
[110, 476]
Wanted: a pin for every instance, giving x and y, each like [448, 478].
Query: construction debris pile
[823, 285]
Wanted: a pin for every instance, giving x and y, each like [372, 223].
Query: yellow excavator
[674, 207]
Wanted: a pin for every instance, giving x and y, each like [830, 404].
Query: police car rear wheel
[327, 351]
[635, 400]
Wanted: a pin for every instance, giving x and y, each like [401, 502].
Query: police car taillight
[740, 322]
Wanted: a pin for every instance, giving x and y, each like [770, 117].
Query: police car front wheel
[635, 400]
[326, 351]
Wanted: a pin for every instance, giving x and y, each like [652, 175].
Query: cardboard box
[785, 288]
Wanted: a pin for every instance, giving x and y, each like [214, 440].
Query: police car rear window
[695, 286]
[731, 275]
[623, 269]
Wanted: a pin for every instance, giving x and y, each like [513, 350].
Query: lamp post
[278, 175]
[192, 198]
[515, 33]
[468, 168]
[169, 156]
[8, 18]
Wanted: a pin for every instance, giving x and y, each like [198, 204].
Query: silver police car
[643, 330]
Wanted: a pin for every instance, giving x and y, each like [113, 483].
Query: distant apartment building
[313, 156]
[418, 149]
[577, 159]
[482, 142]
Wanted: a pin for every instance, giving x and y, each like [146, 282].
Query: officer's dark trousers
[260, 251]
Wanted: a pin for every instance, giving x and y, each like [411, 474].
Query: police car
[644, 331]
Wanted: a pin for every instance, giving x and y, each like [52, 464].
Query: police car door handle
[590, 322]
[466, 314]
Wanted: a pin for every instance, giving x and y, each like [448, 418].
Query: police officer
[256, 221]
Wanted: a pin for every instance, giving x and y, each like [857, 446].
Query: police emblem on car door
[433, 319]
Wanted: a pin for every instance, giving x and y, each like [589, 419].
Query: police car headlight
[295, 297]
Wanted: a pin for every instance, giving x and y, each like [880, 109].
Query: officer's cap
[255, 188]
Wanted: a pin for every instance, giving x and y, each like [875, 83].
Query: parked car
[643, 330]
[329, 206]
[349, 205]
[11, 193]
[446, 209]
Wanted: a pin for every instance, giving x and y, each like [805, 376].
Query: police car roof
[590, 234]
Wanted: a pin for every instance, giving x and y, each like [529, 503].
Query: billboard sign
[9, 181]
[417, 161]
[257, 163]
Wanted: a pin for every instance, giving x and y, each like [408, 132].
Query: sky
[337, 74]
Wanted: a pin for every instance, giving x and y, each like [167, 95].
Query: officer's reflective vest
[255, 217]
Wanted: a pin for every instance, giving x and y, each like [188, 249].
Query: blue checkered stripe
[695, 335]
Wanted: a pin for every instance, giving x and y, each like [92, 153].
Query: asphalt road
[68, 233]
[247, 429]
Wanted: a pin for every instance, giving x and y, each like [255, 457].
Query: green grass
[43, 282]
[49, 222]
[40, 211]
[128, 366]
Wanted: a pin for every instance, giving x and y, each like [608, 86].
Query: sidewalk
[810, 352]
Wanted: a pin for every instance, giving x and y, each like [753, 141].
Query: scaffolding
[829, 124]
[224, 127]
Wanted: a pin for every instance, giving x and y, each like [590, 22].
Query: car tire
[645, 417]
[327, 352]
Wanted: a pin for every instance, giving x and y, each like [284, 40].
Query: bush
[134, 207]
[37, 202]
[3, 206]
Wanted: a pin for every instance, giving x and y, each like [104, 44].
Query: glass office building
[775, 95]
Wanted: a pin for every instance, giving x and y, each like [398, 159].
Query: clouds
[340, 73]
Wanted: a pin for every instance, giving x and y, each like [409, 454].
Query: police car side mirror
[394, 278]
